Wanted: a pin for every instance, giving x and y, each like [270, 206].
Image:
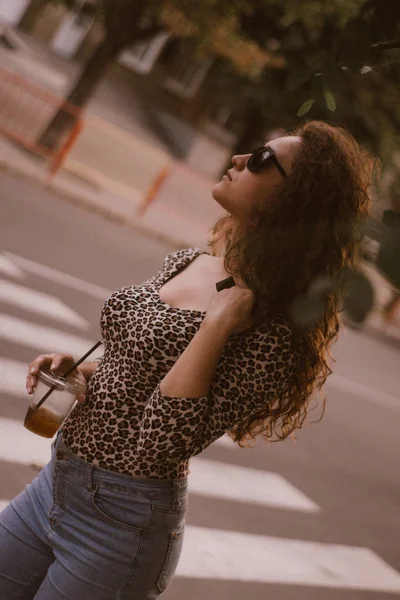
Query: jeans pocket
[126, 511]
[171, 559]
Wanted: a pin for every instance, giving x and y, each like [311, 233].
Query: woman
[183, 364]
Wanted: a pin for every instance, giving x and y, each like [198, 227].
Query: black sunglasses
[261, 158]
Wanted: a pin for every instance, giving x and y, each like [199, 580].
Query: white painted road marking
[39, 337]
[40, 303]
[19, 445]
[226, 442]
[8, 267]
[363, 392]
[208, 477]
[234, 556]
[242, 484]
[59, 277]
[12, 377]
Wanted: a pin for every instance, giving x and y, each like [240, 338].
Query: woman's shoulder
[175, 260]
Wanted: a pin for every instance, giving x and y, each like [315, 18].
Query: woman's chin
[217, 193]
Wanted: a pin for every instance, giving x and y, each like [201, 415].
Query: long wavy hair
[307, 230]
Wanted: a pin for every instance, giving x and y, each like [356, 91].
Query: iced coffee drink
[46, 419]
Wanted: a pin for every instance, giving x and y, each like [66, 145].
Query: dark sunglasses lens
[258, 159]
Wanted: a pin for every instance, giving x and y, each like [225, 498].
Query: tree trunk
[93, 72]
[31, 15]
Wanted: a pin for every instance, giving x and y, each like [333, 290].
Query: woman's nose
[239, 161]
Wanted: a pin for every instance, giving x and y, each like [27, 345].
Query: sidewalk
[171, 218]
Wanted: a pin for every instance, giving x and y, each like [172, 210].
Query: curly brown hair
[308, 229]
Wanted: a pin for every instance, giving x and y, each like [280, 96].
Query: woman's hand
[231, 308]
[57, 364]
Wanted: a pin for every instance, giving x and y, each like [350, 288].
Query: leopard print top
[127, 425]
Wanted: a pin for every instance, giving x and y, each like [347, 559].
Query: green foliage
[305, 107]
[330, 100]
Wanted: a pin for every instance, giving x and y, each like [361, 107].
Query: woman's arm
[191, 375]
[254, 372]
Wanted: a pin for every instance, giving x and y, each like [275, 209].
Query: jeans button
[60, 454]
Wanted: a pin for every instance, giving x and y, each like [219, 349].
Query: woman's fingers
[34, 368]
[61, 362]
[55, 362]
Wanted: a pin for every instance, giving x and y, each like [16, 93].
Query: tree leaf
[305, 107]
[365, 69]
[330, 100]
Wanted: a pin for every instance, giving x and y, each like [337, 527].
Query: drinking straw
[225, 284]
[67, 372]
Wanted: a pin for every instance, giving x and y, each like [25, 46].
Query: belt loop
[89, 478]
[177, 494]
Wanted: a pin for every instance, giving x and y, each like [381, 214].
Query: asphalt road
[318, 518]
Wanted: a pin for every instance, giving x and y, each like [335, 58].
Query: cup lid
[72, 384]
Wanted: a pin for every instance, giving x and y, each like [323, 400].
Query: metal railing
[26, 109]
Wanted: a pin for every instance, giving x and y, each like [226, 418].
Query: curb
[80, 200]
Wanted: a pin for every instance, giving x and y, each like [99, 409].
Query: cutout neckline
[171, 273]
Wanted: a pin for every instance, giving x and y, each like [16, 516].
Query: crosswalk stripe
[40, 337]
[242, 484]
[40, 303]
[18, 445]
[208, 477]
[59, 277]
[8, 267]
[378, 397]
[12, 377]
[226, 442]
[230, 555]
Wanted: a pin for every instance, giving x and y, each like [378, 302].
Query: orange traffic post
[62, 154]
[154, 189]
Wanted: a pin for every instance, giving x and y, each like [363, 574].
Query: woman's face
[240, 190]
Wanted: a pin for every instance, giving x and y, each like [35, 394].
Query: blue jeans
[79, 532]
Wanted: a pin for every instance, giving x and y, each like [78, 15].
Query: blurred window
[185, 73]
[142, 55]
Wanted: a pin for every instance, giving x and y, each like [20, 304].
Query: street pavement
[311, 519]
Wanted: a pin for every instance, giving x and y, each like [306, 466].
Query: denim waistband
[165, 489]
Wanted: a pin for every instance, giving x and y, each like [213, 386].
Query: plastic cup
[46, 419]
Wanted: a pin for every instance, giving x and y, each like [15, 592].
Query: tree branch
[386, 45]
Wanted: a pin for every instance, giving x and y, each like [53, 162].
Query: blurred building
[163, 70]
